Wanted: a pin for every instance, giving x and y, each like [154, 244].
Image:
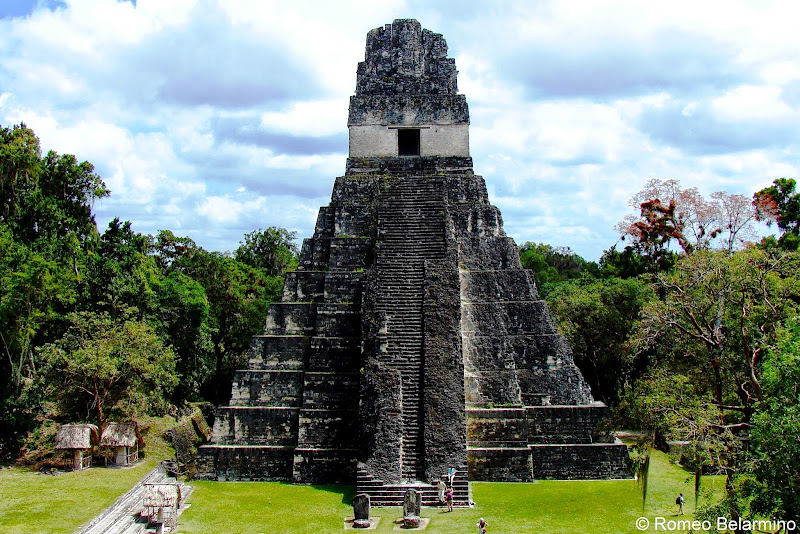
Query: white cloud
[312, 117]
[751, 102]
[224, 210]
[216, 117]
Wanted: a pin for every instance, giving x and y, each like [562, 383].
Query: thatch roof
[76, 436]
[162, 495]
[120, 435]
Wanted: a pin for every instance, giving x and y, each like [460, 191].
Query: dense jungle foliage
[114, 324]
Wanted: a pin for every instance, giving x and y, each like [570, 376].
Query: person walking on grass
[449, 496]
[679, 502]
[481, 526]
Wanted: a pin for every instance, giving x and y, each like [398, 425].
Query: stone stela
[361, 511]
[410, 338]
[412, 503]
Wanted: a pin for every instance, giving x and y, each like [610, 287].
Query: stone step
[122, 516]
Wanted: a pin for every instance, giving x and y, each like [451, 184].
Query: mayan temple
[410, 338]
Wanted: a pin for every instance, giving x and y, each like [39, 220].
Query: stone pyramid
[410, 339]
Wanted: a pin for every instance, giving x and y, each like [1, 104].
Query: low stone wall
[255, 425]
[328, 428]
[581, 461]
[343, 286]
[291, 318]
[327, 390]
[303, 286]
[504, 464]
[334, 354]
[497, 428]
[275, 352]
[350, 253]
[245, 462]
[563, 424]
[258, 387]
[338, 320]
[328, 466]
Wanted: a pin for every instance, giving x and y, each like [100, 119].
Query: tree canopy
[81, 310]
[781, 204]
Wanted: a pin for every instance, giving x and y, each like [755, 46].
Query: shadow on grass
[347, 491]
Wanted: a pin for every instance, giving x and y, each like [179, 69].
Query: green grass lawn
[33, 502]
[609, 506]
[30, 502]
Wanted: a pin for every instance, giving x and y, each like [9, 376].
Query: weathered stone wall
[408, 110]
[581, 461]
[497, 427]
[506, 464]
[556, 442]
[406, 79]
[443, 393]
[403, 59]
[247, 462]
[380, 140]
[293, 413]
[256, 425]
[380, 414]
[258, 387]
[324, 466]
[564, 424]
[277, 352]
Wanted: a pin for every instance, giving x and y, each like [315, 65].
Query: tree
[29, 289]
[47, 231]
[780, 203]
[635, 260]
[238, 296]
[46, 227]
[105, 366]
[596, 317]
[719, 312]
[669, 214]
[19, 167]
[122, 275]
[182, 317]
[272, 250]
[776, 427]
[554, 264]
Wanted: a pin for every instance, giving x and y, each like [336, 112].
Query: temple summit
[410, 339]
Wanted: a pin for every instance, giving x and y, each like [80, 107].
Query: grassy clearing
[34, 502]
[610, 506]
[30, 502]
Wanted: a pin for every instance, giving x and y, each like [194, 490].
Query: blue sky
[214, 118]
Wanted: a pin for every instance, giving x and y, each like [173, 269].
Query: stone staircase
[382, 494]
[410, 231]
[122, 517]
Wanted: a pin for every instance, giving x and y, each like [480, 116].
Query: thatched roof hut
[161, 503]
[76, 437]
[121, 435]
[162, 496]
